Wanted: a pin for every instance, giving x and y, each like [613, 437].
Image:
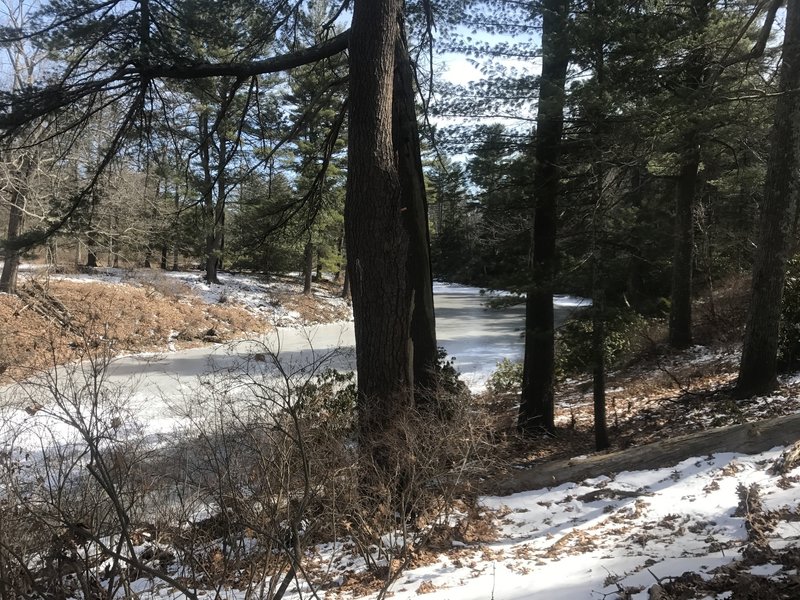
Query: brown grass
[129, 318]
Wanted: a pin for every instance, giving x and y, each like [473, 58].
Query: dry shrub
[312, 310]
[721, 317]
[265, 465]
[157, 283]
[292, 474]
[21, 343]
[72, 486]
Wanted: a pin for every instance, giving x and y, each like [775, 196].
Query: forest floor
[722, 525]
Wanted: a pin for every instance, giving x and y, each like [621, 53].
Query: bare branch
[283, 62]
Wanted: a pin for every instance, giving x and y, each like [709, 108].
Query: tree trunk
[113, 243]
[91, 251]
[308, 267]
[636, 265]
[346, 285]
[758, 369]
[164, 252]
[376, 237]
[175, 250]
[597, 110]
[337, 278]
[211, 210]
[91, 231]
[52, 253]
[537, 410]
[680, 314]
[16, 221]
[601, 441]
[415, 207]
[749, 438]
[695, 66]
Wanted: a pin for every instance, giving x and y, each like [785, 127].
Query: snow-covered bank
[617, 534]
[265, 297]
[476, 339]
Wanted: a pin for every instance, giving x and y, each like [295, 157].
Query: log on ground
[747, 438]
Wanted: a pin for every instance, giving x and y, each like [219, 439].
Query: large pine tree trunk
[214, 210]
[415, 207]
[758, 369]
[680, 315]
[695, 69]
[376, 236]
[208, 200]
[16, 221]
[537, 408]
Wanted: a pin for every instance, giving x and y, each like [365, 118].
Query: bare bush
[261, 486]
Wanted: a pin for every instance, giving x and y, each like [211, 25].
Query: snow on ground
[475, 337]
[253, 293]
[597, 539]
[610, 537]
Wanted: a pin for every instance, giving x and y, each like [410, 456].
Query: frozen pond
[475, 337]
[479, 337]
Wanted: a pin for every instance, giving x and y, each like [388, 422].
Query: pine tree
[758, 368]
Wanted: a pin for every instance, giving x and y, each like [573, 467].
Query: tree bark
[680, 314]
[346, 285]
[377, 238]
[415, 207]
[175, 250]
[308, 266]
[636, 265]
[537, 409]
[52, 254]
[214, 211]
[91, 251]
[16, 221]
[758, 368]
[601, 441]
